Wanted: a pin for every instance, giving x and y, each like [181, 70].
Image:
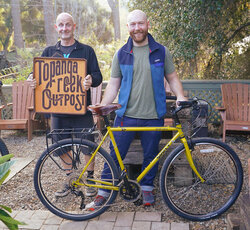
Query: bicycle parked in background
[209, 185]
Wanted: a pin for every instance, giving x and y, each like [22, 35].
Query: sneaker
[148, 198]
[90, 191]
[64, 191]
[98, 202]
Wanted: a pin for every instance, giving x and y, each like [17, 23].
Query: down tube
[157, 158]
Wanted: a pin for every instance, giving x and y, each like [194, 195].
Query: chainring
[130, 193]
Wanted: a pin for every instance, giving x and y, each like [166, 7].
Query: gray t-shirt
[67, 50]
[141, 102]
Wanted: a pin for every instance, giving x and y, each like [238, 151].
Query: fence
[210, 91]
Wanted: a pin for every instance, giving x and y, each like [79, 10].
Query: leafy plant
[23, 65]
[200, 34]
[5, 165]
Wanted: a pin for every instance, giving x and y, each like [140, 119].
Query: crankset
[130, 191]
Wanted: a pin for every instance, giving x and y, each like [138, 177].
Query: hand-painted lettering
[62, 85]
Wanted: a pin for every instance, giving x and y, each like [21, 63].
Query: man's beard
[142, 38]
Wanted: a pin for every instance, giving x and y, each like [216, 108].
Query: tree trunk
[7, 41]
[16, 17]
[114, 5]
[49, 21]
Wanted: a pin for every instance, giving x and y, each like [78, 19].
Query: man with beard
[138, 71]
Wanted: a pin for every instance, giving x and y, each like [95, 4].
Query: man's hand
[181, 98]
[87, 82]
[30, 78]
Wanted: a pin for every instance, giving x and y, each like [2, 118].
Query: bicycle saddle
[103, 110]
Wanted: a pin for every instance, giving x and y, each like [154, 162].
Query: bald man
[69, 47]
[138, 72]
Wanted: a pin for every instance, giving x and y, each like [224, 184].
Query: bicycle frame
[110, 130]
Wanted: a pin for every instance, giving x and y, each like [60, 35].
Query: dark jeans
[150, 144]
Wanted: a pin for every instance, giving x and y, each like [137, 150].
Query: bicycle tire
[3, 148]
[49, 176]
[186, 195]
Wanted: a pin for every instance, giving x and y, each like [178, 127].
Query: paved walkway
[45, 220]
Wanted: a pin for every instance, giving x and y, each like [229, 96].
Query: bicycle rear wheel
[50, 176]
[3, 148]
[183, 191]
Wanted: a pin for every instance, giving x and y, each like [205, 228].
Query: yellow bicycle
[200, 179]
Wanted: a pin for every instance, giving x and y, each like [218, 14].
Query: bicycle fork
[189, 156]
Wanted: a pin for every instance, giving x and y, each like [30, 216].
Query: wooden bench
[235, 111]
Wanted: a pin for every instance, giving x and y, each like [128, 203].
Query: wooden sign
[59, 85]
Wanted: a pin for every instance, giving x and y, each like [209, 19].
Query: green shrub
[5, 165]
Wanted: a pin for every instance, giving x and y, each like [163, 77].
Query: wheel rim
[192, 199]
[51, 176]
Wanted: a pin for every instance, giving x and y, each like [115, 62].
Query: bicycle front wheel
[183, 191]
[62, 158]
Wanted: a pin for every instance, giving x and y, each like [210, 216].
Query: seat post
[106, 121]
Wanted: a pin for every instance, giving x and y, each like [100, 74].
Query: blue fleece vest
[156, 59]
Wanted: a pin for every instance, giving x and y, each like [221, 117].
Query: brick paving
[44, 220]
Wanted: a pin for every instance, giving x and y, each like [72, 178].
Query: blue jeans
[149, 141]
